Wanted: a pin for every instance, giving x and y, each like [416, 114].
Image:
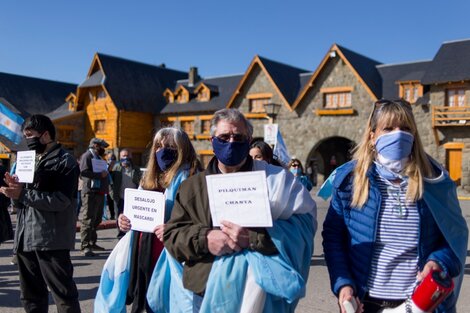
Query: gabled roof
[135, 86]
[363, 67]
[33, 95]
[285, 78]
[450, 64]
[63, 112]
[225, 88]
[393, 73]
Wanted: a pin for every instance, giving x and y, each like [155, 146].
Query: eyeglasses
[295, 165]
[235, 137]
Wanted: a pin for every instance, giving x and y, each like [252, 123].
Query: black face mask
[35, 144]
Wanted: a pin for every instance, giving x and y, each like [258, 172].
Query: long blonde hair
[154, 178]
[387, 112]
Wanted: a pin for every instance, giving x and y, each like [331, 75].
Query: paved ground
[88, 270]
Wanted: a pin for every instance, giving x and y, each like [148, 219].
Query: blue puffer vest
[349, 234]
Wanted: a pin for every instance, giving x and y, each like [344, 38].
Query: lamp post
[272, 110]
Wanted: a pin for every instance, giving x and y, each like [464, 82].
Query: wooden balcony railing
[450, 116]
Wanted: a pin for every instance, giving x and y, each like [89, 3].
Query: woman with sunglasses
[394, 217]
[172, 160]
[296, 168]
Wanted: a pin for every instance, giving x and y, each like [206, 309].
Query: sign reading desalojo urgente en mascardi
[145, 209]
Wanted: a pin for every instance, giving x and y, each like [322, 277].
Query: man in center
[191, 238]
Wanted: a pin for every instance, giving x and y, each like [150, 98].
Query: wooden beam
[319, 112]
[454, 145]
[337, 89]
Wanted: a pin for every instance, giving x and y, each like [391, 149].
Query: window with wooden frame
[101, 94]
[188, 127]
[100, 126]
[205, 127]
[64, 134]
[257, 101]
[411, 91]
[203, 94]
[166, 123]
[455, 97]
[169, 96]
[337, 100]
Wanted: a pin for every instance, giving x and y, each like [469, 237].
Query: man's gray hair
[231, 115]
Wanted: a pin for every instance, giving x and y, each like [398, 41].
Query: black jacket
[47, 207]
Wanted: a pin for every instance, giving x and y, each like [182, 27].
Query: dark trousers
[111, 207]
[92, 214]
[41, 269]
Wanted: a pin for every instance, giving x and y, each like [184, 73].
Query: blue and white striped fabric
[280, 149]
[10, 124]
[111, 294]
[395, 258]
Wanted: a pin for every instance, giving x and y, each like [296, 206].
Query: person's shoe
[14, 260]
[95, 247]
[87, 252]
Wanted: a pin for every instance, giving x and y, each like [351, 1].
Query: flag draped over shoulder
[10, 124]
[111, 295]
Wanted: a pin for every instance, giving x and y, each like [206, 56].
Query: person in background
[46, 221]
[111, 204]
[172, 160]
[190, 237]
[393, 218]
[261, 151]
[124, 175]
[95, 188]
[6, 230]
[296, 168]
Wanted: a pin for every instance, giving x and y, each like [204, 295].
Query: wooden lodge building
[322, 113]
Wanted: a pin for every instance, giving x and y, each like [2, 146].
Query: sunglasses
[295, 165]
[235, 137]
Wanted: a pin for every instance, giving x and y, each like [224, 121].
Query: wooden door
[454, 162]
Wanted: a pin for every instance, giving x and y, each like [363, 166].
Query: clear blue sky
[56, 39]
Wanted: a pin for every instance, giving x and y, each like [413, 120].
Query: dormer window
[411, 91]
[169, 96]
[182, 95]
[203, 95]
[205, 92]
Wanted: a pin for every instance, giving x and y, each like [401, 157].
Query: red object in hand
[434, 288]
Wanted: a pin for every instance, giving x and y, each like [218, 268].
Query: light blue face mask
[393, 151]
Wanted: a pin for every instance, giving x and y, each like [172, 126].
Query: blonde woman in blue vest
[394, 217]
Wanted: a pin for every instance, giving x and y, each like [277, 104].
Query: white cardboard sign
[25, 165]
[99, 165]
[145, 209]
[240, 198]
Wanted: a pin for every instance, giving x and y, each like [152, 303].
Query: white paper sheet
[99, 165]
[145, 209]
[25, 166]
[241, 198]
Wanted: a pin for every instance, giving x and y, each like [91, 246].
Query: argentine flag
[280, 149]
[10, 124]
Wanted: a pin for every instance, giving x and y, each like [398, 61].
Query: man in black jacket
[45, 230]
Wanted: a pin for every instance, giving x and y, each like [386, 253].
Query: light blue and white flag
[10, 124]
[280, 149]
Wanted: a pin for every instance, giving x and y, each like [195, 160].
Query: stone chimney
[193, 77]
